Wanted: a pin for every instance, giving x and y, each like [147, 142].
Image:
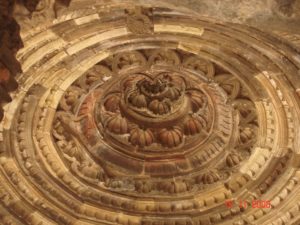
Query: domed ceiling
[144, 114]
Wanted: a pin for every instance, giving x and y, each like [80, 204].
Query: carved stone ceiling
[154, 113]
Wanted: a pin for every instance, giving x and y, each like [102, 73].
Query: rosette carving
[230, 85]
[201, 65]
[96, 74]
[158, 95]
[166, 112]
[164, 57]
[127, 60]
[160, 123]
[139, 21]
[105, 156]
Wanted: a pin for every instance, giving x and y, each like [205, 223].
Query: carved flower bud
[233, 159]
[159, 107]
[117, 125]
[246, 134]
[138, 100]
[173, 93]
[70, 98]
[209, 177]
[197, 101]
[112, 103]
[192, 126]
[141, 137]
[143, 187]
[170, 137]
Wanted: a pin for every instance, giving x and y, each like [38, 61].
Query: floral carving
[98, 73]
[160, 107]
[140, 137]
[197, 101]
[117, 124]
[173, 93]
[149, 111]
[233, 159]
[230, 85]
[112, 103]
[171, 137]
[157, 135]
[138, 100]
[138, 21]
[201, 65]
[208, 177]
[146, 101]
[193, 126]
[70, 98]
[127, 60]
[164, 57]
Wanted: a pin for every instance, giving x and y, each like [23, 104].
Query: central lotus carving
[154, 111]
[155, 97]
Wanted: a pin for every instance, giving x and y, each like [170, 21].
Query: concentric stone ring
[150, 116]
